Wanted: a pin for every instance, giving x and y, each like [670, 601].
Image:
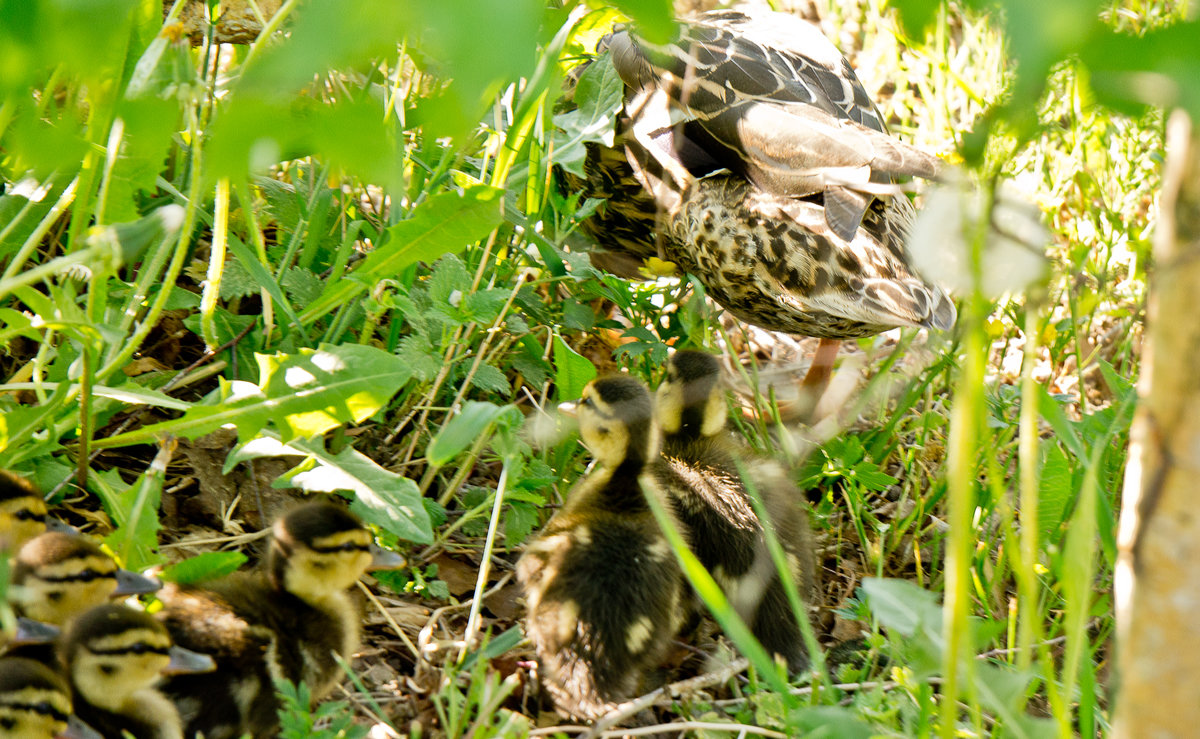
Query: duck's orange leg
[821, 368]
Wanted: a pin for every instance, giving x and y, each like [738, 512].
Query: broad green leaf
[383, 498]
[442, 224]
[599, 95]
[206, 566]
[462, 431]
[1002, 692]
[654, 18]
[904, 607]
[916, 15]
[1056, 492]
[828, 722]
[314, 391]
[572, 370]
[1052, 411]
[302, 394]
[134, 511]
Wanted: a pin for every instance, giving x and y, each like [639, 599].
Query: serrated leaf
[484, 306]
[447, 286]
[571, 371]
[205, 566]
[237, 282]
[383, 498]
[519, 521]
[871, 477]
[422, 358]
[444, 223]
[462, 431]
[490, 379]
[303, 286]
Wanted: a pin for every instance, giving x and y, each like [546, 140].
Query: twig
[390, 620]
[664, 695]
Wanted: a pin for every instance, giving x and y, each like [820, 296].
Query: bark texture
[1158, 573]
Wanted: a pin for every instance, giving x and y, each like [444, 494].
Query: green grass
[400, 248]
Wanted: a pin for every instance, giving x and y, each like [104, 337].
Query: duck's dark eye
[108, 669]
[54, 597]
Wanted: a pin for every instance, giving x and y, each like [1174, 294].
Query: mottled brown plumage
[704, 482]
[602, 587]
[749, 154]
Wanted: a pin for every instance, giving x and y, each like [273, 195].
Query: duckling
[35, 703]
[22, 511]
[709, 496]
[602, 587]
[291, 617]
[113, 656]
[61, 575]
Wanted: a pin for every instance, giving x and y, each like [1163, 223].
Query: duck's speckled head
[62, 575]
[320, 549]
[112, 652]
[35, 703]
[689, 402]
[616, 420]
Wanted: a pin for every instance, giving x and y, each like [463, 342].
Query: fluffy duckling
[22, 511]
[710, 498]
[291, 617]
[35, 703]
[61, 575]
[602, 587]
[114, 655]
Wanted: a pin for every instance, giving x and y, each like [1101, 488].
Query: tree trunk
[1158, 573]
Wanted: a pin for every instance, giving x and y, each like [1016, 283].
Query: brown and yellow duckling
[114, 656]
[22, 511]
[710, 498]
[60, 575]
[602, 587]
[35, 703]
[291, 617]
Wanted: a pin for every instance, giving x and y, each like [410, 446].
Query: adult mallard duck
[292, 617]
[602, 587]
[706, 479]
[748, 153]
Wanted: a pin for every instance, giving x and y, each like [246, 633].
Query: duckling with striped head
[602, 587]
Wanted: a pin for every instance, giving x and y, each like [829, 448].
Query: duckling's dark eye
[54, 597]
[589, 402]
[28, 515]
[108, 669]
[139, 649]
